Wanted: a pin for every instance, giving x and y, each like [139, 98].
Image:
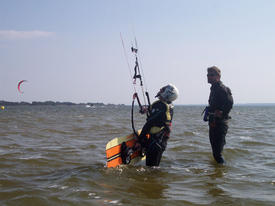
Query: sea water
[55, 155]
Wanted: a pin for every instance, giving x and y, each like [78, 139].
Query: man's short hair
[215, 70]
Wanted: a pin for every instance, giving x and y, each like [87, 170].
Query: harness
[168, 114]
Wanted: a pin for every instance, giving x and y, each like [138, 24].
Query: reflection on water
[150, 187]
[216, 179]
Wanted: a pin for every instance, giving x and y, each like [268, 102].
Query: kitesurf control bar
[137, 75]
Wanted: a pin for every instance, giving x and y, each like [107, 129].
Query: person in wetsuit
[217, 113]
[155, 132]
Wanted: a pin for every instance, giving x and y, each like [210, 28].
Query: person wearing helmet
[155, 133]
[217, 113]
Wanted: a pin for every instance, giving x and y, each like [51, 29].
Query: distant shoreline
[51, 103]
[235, 105]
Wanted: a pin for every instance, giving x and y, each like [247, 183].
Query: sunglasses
[211, 75]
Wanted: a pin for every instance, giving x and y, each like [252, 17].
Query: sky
[70, 50]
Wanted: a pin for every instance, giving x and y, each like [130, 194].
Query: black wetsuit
[158, 127]
[220, 99]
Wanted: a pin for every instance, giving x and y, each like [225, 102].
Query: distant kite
[19, 84]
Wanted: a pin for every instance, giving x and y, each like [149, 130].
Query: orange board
[113, 150]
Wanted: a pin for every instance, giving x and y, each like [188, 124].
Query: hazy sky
[71, 50]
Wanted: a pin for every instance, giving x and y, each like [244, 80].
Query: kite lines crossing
[137, 76]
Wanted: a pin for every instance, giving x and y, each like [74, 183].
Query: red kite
[19, 84]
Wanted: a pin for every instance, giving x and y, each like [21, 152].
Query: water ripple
[56, 156]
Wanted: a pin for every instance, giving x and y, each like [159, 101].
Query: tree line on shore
[53, 103]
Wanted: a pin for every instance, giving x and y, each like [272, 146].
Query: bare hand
[143, 110]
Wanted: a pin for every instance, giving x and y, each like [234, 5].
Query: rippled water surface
[55, 155]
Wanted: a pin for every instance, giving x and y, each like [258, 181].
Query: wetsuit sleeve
[225, 100]
[156, 118]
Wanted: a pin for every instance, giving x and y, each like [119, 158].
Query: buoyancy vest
[161, 116]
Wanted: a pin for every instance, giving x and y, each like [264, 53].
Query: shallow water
[55, 155]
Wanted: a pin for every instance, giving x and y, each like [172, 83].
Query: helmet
[168, 93]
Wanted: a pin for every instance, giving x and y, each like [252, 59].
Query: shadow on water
[218, 187]
[216, 179]
[136, 185]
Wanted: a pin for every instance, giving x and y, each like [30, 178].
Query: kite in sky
[19, 84]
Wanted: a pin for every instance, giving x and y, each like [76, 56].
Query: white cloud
[13, 34]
